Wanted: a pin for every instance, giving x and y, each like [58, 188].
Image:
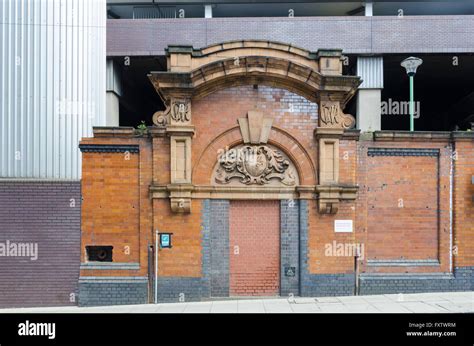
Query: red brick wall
[403, 206]
[218, 112]
[184, 258]
[116, 209]
[111, 205]
[464, 204]
[254, 244]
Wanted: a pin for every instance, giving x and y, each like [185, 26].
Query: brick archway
[305, 166]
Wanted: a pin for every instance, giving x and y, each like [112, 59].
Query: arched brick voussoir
[204, 166]
[205, 163]
[297, 153]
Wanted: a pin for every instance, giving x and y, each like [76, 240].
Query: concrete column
[207, 11]
[369, 106]
[369, 9]
[112, 107]
[114, 92]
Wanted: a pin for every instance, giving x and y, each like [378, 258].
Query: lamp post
[411, 64]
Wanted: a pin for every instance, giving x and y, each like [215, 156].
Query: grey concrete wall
[369, 105]
[355, 35]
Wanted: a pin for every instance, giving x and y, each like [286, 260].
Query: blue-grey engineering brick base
[95, 291]
[289, 247]
[462, 280]
[219, 248]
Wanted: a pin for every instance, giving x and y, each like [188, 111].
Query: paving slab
[421, 307]
[391, 308]
[277, 306]
[443, 302]
[305, 308]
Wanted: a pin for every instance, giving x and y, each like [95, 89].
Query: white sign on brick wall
[343, 226]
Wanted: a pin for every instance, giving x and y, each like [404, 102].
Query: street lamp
[411, 64]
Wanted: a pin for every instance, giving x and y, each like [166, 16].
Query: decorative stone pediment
[254, 165]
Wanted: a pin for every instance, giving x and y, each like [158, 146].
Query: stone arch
[196, 73]
[279, 138]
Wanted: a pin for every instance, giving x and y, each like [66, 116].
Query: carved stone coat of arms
[255, 164]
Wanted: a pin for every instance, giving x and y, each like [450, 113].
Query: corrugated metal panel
[370, 69]
[52, 84]
[146, 12]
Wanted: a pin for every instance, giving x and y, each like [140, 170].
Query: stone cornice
[416, 136]
[113, 131]
[462, 135]
[274, 71]
[234, 44]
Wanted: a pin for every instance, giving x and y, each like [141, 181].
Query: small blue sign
[165, 240]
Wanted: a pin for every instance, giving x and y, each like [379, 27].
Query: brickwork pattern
[464, 203]
[289, 247]
[254, 248]
[409, 198]
[111, 205]
[462, 280]
[314, 285]
[116, 209]
[113, 293]
[217, 113]
[219, 248]
[184, 259]
[46, 213]
[177, 288]
[414, 191]
[352, 34]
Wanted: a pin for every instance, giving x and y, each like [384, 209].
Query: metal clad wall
[52, 84]
[370, 69]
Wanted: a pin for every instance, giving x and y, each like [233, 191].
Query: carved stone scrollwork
[160, 118]
[180, 111]
[332, 116]
[177, 111]
[255, 164]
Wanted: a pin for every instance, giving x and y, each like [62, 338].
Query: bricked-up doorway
[254, 240]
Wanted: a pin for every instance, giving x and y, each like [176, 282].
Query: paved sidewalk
[387, 303]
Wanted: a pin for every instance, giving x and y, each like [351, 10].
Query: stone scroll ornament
[160, 118]
[177, 110]
[331, 115]
[254, 164]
